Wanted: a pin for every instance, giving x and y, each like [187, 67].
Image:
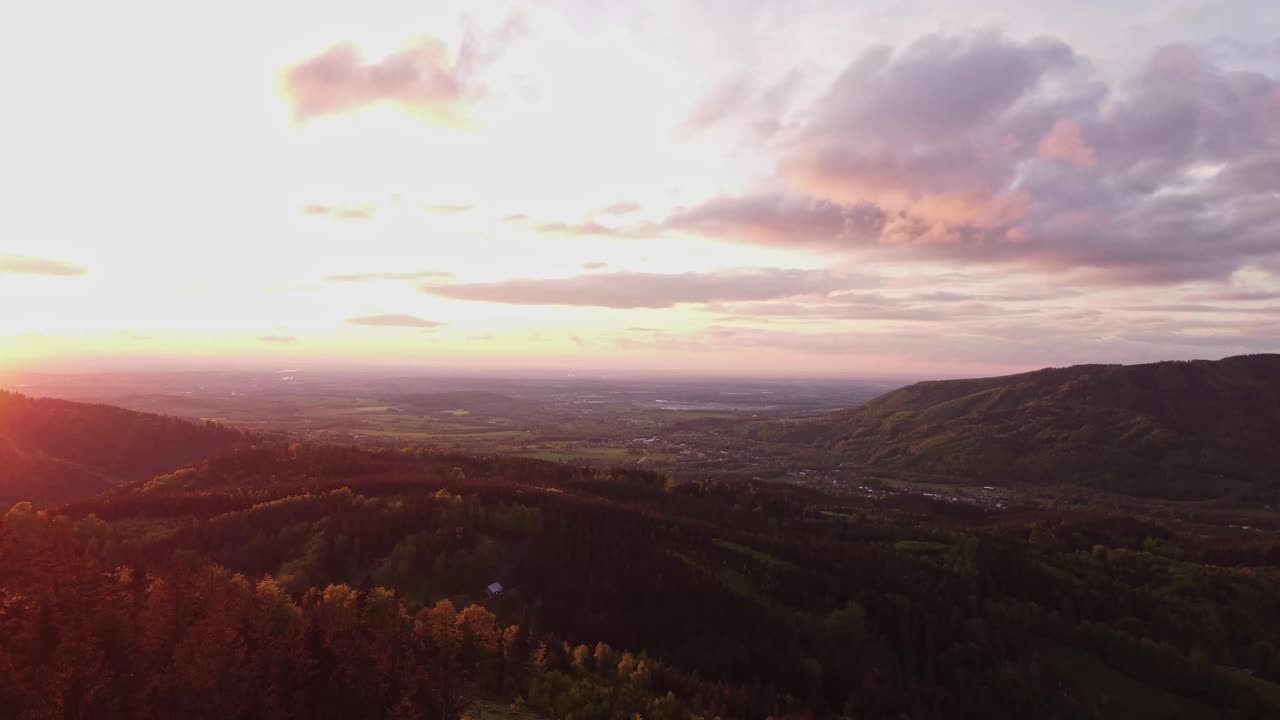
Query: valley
[574, 548]
[684, 426]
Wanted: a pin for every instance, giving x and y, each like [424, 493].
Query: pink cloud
[973, 210]
[939, 152]
[424, 78]
[1065, 143]
[1017, 234]
[421, 78]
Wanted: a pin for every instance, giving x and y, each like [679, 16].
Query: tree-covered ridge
[1173, 429]
[54, 451]
[194, 640]
[737, 600]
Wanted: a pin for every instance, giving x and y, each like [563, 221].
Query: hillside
[54, 451]
[1172, 429]
[340, 582]
[296, 579]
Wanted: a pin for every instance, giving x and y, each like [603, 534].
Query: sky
[802, 188]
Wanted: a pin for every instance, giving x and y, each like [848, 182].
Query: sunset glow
[744, 187]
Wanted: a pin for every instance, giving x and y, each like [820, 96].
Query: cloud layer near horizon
[394, 320]
[625, 290]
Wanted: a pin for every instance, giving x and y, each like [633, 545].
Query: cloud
[950, 300]
[447, 209]
[394, 320]
[424, 78]
[595, 266]
[738, 101]
[1065, 143]
[621, 208]
[775, 219]
[366, 277]
[1166, 308]
[925, 307]
[652, 290]
[1236, 296]
[929, 121]
[340, 213]
[20, 265]
[586, 228]
[828, 311]
[981, 149]
[583, 229]
[277, 339]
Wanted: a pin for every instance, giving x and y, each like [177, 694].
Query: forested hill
[54, 451]
[1180, 429]
[307, 581]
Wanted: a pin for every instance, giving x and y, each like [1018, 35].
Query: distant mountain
[54, 451]
[1170, 429]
